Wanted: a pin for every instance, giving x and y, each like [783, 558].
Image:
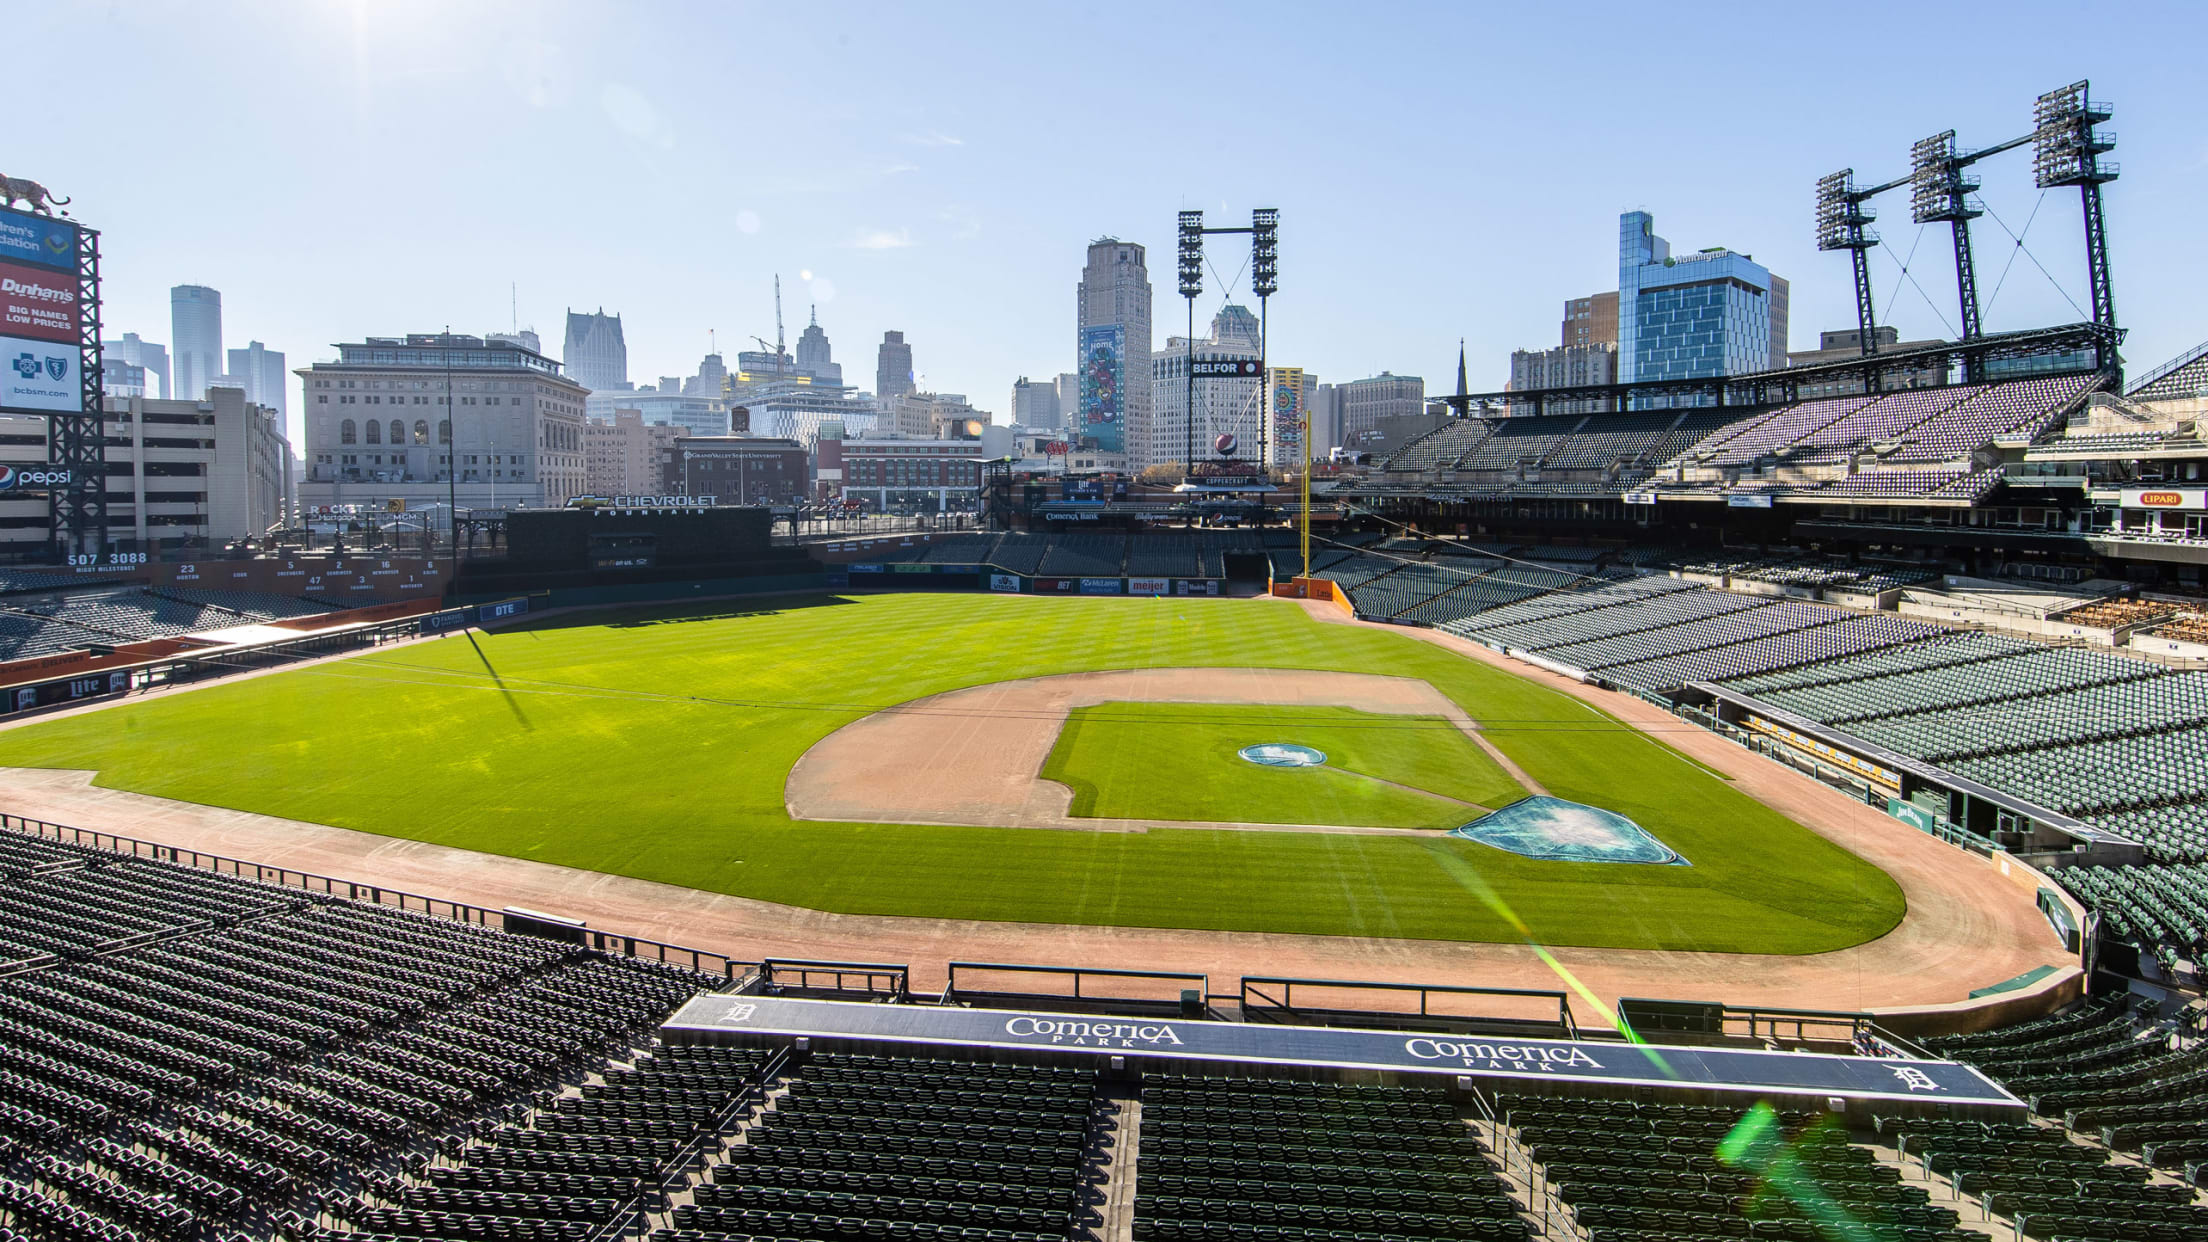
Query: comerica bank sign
[762, 1021]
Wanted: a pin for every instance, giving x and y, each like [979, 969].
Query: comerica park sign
[765, 1021]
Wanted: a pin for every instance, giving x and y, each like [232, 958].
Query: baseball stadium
[1770, 806]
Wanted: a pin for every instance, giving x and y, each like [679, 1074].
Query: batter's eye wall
[560, 538]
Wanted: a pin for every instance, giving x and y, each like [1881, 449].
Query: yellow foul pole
[1305, 436]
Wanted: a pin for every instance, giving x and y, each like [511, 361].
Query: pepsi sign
[12, 477]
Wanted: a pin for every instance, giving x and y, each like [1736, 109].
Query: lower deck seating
[867, 1146]
[1629, 1170]
[2113, 1073]
[203, 1058]
[1229, 1158]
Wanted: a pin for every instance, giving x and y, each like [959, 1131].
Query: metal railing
[1260, 1003]
[889, 980]
[955, 994]
[702, 961]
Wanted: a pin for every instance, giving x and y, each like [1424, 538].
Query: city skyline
[917, 211]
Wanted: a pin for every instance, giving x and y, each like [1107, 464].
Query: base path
[976, 756]
[1967, 926]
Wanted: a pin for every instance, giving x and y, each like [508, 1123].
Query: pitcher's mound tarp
[1551, 828]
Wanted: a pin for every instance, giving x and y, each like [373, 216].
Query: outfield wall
[917, 576]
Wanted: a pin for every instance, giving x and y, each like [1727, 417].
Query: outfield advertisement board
[2164, 498]
[1149, 586]
[1196, 586]
[40, 375]
[1103, 386]
[68, 690]
[1750, 1072]
[43, 240]
[1004, 582]
[38, 303]
[1100, 586]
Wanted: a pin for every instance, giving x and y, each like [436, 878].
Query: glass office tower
[1704, 314]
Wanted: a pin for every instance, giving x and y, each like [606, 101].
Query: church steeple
[1462, 390]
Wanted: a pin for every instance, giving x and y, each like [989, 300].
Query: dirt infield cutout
[975, 756]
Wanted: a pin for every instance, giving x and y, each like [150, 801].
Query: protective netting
[1551, 828]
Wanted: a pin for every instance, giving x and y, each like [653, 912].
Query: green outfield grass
[1179, 761]
[655, 743]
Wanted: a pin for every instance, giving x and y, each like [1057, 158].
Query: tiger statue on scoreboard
[29, 192]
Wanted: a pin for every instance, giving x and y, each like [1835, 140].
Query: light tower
[1939, 190]
[1192, 286]
[1264, 280]
[2066, 150]
[1842, 224]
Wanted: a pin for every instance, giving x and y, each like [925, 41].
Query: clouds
[635, 115]
[881, 239]
[537, 72]
[934, 138]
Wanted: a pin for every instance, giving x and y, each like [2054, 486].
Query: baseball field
[660, 743]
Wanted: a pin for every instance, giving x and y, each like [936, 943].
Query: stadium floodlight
[1841, 225]
[1192, 254]
[2066, 148]
[1841, 215]
[1264, 282]
[1264, 251]
[1939, 190]
[1192, 287]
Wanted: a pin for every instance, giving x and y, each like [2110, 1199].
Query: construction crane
[780, 359]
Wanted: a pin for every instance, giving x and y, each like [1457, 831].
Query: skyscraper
[1225, 404]
[711, 381]
[195, 324]
[1364, 404]
[262, 370]
[1714, 312]
[596, 356]
[813, 356]
[141, 353]
[1112, 349]
[1069, 397]
[1035, 404]
[893, 367]
[1236, 325]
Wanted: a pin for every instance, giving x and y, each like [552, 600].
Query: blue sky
[1442, 171]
